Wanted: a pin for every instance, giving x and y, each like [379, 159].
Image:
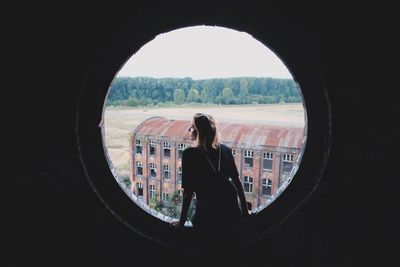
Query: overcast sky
[203, 52]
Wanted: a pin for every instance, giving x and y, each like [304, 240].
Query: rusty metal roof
[241, 135]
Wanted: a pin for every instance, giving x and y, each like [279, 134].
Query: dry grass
[119, 122]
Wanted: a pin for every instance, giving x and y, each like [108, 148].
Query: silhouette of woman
[199, 164]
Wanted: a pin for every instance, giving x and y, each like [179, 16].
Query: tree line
[145, 91]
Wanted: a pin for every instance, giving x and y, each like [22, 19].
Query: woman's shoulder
[191, 153]
[224, 147]
[195, 150]
[190, 150]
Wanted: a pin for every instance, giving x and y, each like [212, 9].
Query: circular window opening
[228, 74]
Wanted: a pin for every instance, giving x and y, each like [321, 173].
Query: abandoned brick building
[264, 156]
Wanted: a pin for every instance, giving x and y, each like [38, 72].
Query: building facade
[264, 156]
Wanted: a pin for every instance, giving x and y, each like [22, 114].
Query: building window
[152, 148]
[248, 158]
[266, 187]
[181, 147]
[152, 191]
[234, 152]
[164, 197]
[267, 161]
[248, 184]
[140, 189]
[167, 149]
[167, 172]
[153, 170]
[288, 157]
[139, 168]
[287, 164]
[138, 147]
[179, 174]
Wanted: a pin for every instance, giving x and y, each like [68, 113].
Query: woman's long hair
[207, 134]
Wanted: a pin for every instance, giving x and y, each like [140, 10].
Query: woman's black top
[197, 176]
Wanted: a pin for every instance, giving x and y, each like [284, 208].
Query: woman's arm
[242, 197]
[187, 184]
[187, 198]
[238, 184]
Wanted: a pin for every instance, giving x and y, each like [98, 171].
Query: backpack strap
[219, 159]
[219, 166]
[209, 161]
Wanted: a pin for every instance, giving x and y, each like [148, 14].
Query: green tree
[132, 102]
[193, 95]
[154, 203]
[152, 91]
[172, 205]
[227, 95]
[127, 182]
[206, 95]
[179, 96]
[155, 94]
[244, 87]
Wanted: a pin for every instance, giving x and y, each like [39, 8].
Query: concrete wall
[53, 217]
